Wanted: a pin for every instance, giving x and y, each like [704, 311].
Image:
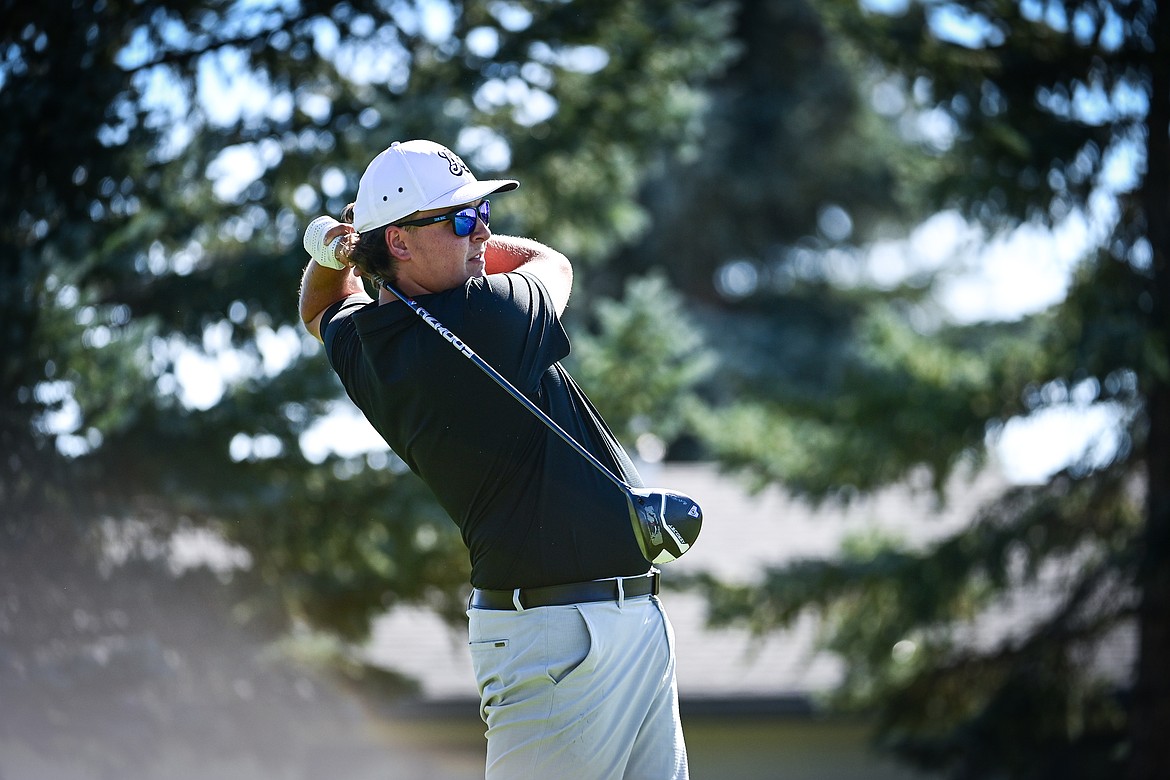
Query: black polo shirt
[531, 510]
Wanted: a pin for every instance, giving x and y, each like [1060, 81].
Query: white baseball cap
[415, 176]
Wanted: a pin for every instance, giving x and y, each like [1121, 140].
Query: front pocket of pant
[571, 645]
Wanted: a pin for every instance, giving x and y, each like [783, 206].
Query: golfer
[572, 651]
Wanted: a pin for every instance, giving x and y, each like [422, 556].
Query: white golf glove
[315, 245]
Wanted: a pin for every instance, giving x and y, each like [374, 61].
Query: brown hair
[368, 251]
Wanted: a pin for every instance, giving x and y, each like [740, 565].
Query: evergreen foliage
[161, 161]
[744, 154]
[1030, 102]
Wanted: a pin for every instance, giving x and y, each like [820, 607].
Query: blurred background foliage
[716, 170]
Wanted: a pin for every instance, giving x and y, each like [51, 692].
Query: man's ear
[396, 244]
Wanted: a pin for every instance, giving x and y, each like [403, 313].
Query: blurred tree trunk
[1150, 714]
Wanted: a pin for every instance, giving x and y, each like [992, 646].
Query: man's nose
[482, 232]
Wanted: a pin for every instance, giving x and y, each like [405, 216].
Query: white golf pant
[585, 691]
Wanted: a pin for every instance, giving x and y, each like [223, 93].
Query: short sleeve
[342, 345]
[516, 327]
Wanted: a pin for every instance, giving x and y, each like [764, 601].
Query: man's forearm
[507, 253]
[321, 287]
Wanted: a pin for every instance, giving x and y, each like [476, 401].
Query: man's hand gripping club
[314, 241]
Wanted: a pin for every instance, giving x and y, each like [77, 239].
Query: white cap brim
[467, 193]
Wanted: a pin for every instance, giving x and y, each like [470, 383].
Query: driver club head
[666, 522]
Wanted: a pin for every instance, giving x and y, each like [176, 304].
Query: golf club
[665, 522]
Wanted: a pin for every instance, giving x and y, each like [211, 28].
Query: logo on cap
[454, 164]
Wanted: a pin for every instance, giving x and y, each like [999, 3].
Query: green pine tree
[161, 161]
[1035, 99]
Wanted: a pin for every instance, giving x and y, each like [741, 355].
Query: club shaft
[461, 346]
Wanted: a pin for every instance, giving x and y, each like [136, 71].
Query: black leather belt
[520, 599]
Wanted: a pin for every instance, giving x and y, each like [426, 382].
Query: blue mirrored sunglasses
[462, 221]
